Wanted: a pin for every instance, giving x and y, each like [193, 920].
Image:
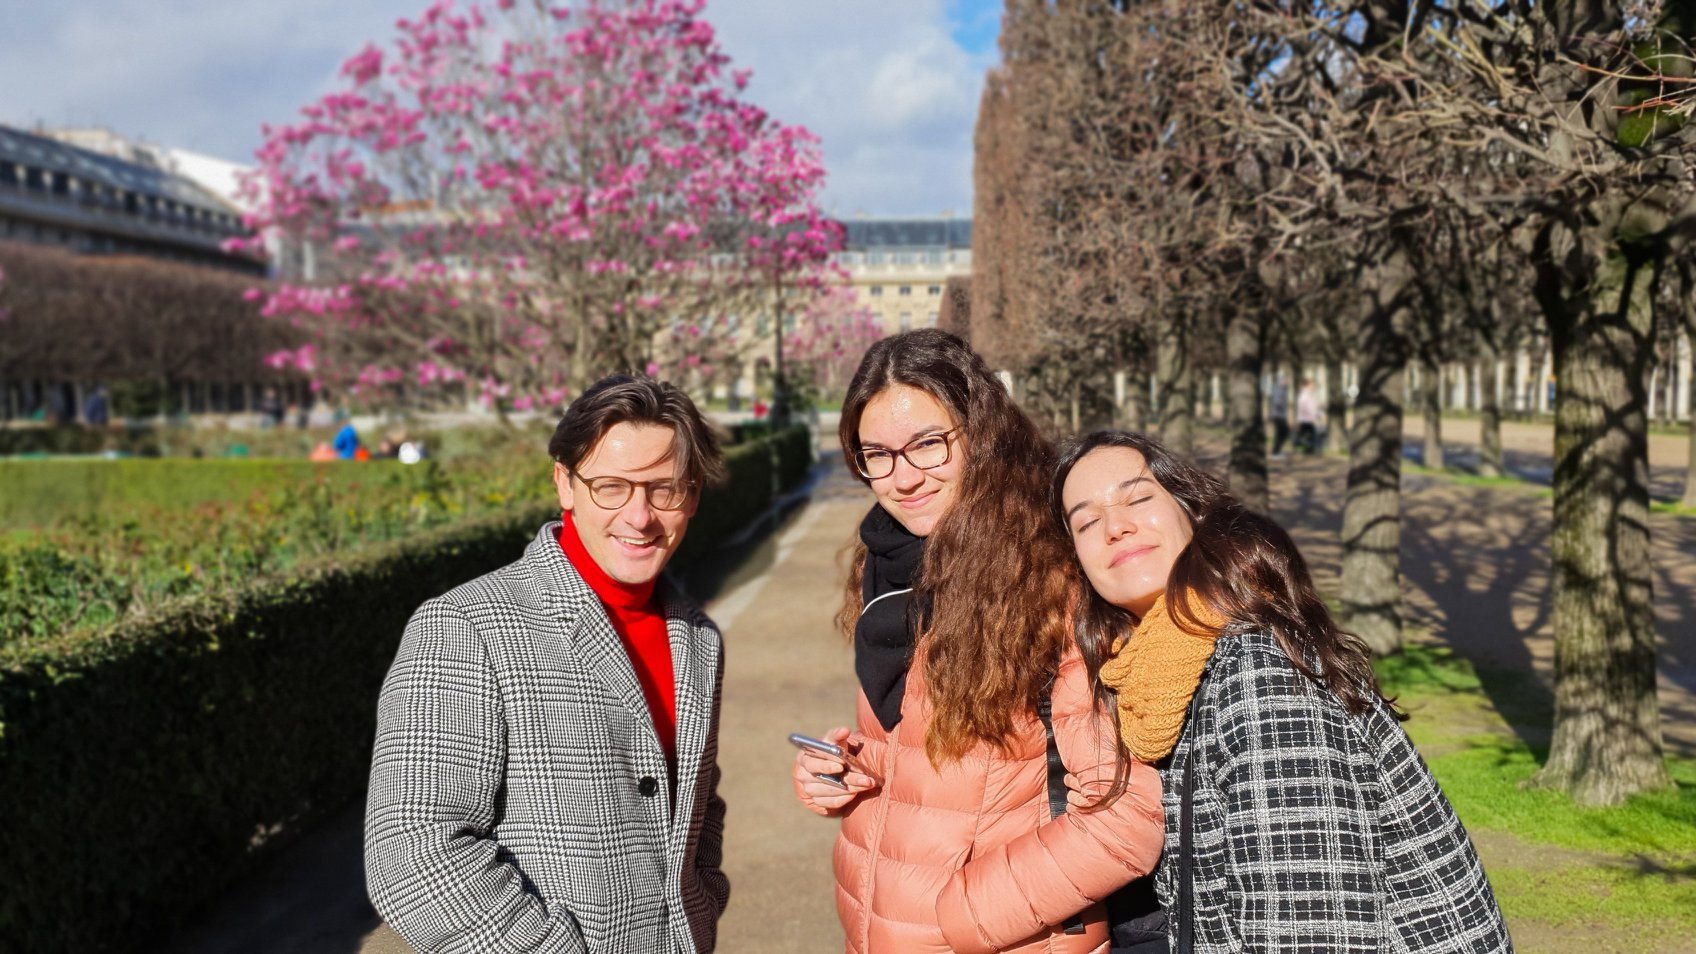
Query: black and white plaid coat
[519, 799]
[1316, 830]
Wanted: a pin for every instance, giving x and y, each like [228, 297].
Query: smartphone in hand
[826, 748]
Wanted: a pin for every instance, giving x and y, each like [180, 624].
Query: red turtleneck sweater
[641, 627]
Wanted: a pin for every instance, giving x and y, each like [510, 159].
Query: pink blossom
[510, 180]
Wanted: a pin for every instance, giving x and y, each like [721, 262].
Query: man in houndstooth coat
[546, 766]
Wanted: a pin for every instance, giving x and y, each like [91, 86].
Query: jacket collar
[564, 590]
[589, 633]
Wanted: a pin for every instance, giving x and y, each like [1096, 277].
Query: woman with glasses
[957, 609]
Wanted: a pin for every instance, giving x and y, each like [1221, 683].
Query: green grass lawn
[1618, 878]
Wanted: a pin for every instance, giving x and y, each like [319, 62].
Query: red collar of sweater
[627, 599]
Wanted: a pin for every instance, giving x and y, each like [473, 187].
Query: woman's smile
[1130, 553]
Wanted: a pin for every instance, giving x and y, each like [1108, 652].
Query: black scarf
[883, 636]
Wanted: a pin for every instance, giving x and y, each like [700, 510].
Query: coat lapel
[695, 648]
[587, 630]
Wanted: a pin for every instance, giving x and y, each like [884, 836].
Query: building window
[934, 290]
[904, 291]
[933, 257]
[874, 258]
[877, 291]
[932, 319]
[906, 321]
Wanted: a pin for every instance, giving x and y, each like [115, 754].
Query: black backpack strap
[1186, 829]
[1056, 781]
[1056, 767]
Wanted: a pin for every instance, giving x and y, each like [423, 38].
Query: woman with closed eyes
[1311, 824]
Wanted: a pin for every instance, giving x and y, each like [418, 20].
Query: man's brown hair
[639, 399]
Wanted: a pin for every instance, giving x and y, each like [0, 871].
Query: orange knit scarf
[1155, 670]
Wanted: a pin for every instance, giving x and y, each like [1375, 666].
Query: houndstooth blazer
[519, 797]
[1316, 830]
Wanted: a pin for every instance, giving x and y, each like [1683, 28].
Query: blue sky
[891, 86]
[974, 24]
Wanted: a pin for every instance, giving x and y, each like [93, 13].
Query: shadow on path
[1475, 567]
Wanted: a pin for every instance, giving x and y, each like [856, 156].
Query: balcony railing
[108, 215]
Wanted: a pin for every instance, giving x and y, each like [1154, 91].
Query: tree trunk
[1177, 393]
[1247, 469]
[1690, 463]
[1336, 409]
[1136, 411]
[1489, 418]
[1372, 529]
[1431, 407]
[1687, 400]
[1607, 734]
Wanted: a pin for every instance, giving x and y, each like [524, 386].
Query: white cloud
[890, 94]
[882, 82]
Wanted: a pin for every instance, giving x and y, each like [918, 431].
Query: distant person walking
[1307, 417]
[270, 408]
[95, 410]
[546, 768]
[1278, 408]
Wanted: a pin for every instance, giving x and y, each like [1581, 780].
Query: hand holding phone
[828, 749]
[828, 762]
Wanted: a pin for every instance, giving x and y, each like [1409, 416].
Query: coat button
[648, 786]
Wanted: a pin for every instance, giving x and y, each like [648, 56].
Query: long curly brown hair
[997, 571]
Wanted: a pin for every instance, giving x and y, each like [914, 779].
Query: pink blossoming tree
[828, 342]
[518, 198]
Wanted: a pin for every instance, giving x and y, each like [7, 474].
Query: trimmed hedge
[72, 439]
[795, 457]
[146, 766]
[146, 439]
[36, 493]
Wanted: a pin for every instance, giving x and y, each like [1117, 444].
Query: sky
[890, 86]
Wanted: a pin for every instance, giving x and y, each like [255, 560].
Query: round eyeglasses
[925, 453]
[611, 493]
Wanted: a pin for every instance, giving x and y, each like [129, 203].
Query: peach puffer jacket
[968, 859]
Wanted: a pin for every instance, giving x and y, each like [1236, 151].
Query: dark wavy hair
[639, 399]
[997, 572]
[1240, 563]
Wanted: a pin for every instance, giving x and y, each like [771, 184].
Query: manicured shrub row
[139, 441]
[39, 493]
[145, 766]
[150, 440]
[794, 447]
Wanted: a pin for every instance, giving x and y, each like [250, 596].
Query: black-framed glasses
[611, 493]
[931, 450]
